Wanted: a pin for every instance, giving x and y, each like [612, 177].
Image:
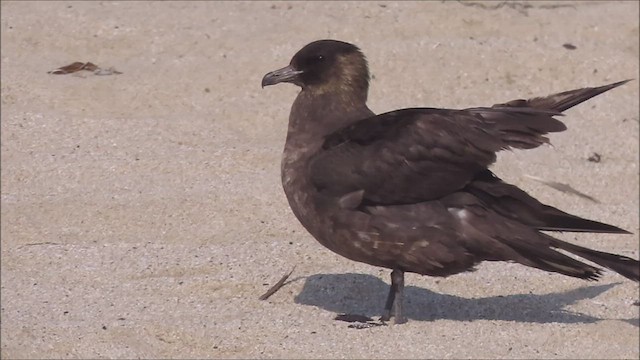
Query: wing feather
[421, 154]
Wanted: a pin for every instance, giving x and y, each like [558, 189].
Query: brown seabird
[410, 189]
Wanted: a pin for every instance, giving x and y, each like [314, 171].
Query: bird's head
[325, 65]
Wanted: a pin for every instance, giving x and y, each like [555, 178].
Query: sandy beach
[142, 213]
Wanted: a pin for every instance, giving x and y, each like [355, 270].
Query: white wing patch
[461, 214]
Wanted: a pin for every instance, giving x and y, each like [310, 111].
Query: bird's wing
[564, 100]
[420, 154]
[515, 204]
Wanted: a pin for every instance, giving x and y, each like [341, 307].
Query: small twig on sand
[272, 290]
[39, 243]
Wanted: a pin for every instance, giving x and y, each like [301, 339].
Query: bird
[411, 190]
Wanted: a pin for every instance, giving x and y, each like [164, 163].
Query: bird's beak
[286, 74]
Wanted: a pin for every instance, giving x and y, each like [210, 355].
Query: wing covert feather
[421, 154]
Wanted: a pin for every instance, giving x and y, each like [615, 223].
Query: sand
[143, 216]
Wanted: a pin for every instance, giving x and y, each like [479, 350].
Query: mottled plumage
[410, 189]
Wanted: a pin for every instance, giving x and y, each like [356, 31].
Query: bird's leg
[386, 316]
[395, 299]
[397, 277]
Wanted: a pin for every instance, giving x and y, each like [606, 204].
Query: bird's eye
[320, 58]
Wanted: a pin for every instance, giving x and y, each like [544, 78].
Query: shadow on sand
[365, 295]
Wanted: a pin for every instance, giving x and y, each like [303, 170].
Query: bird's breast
[297, 185]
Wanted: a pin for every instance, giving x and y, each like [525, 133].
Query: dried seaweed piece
[565, 188]
[521, 7]
[79, 66]
[277, 286]
[367, 325]
[359, 321]
[75, 67]
[569, 46]
[353, 318]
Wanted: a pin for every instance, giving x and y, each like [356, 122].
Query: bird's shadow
[349, 293]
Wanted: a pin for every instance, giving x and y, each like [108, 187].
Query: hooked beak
[286, 74]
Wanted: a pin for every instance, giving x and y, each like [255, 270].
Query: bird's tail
[513, 203]
[545, 256]
[625, 266]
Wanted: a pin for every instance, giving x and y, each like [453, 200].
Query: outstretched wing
[414, 155]
[421, 154]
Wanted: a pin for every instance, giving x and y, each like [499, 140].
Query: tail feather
[557, 220]
[513, 203]
[623, 265]
[544, 256]
[548, 259]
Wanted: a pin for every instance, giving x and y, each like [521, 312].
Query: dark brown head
[325, 65]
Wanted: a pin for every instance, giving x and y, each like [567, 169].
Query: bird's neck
[316, 114]
[313, 116]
